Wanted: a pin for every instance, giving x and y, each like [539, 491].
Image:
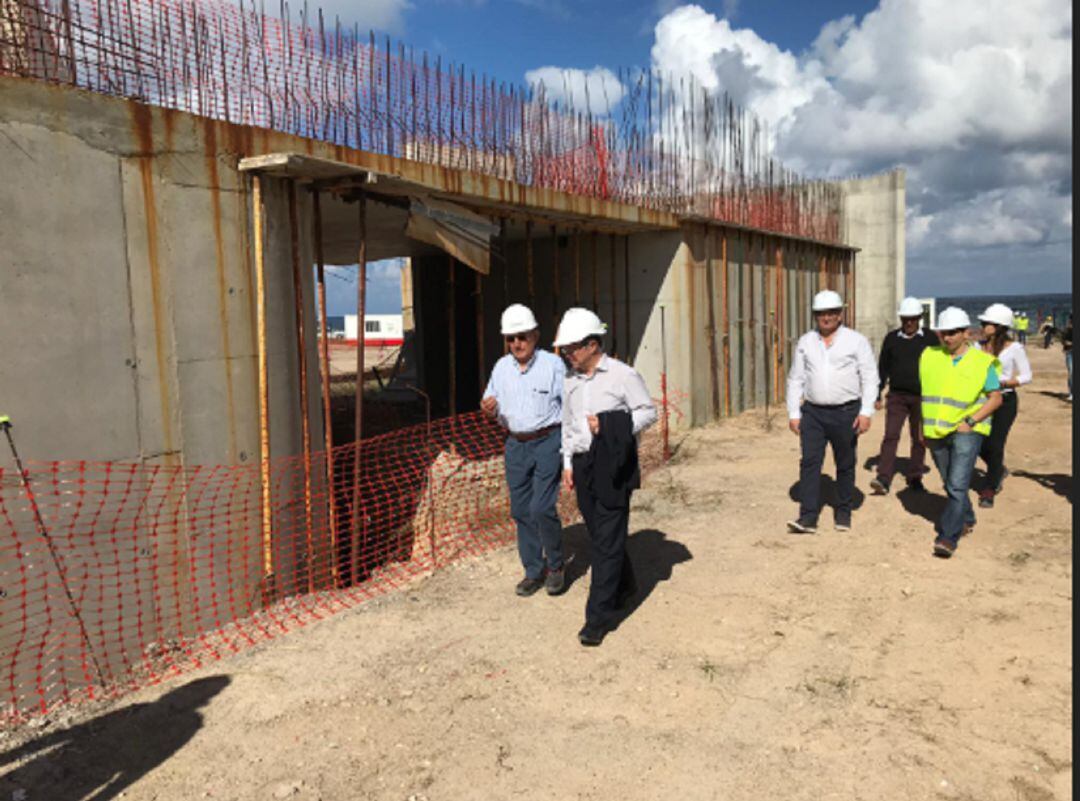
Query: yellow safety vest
[951, 392]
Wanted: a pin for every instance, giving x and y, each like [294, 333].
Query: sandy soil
[757, 664]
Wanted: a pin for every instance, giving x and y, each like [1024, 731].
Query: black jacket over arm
[613, 459]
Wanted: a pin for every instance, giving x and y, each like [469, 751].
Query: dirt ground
[755, 665]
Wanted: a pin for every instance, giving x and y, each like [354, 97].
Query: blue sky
[971, 97]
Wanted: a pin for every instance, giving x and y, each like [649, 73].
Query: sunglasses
[829, 313]
[512, 338]
[953, 332]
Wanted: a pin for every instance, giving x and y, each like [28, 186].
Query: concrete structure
[873, 221]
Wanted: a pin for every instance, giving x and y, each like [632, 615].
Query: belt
[528, 436]
[833, 405]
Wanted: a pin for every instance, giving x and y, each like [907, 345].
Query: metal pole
[528, 262]
[324, 370]
[451, 315]
[577, 267]
[595, 272]
[663, 387]
[268, 589]
[301, 351]
[626, 297]
[358, 425]
[5, 425]
[554, 276]
[727, 325]
[479, 295]
[710, 290]
[614, 301]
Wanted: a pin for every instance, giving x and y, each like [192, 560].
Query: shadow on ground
[1061, 396]
[1059, 483]
[828, 494]
[99, 759]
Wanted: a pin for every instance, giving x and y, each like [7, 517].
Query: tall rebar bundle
[667, 144]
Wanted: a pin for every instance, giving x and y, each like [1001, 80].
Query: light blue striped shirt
[528, 400]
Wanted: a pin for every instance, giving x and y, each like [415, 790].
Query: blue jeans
[955, 457]
[533, 472]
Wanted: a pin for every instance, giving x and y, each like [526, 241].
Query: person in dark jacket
[898, 368]
[605, 406]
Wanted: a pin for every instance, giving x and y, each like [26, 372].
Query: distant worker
[1022, 327]
[960, 392]
[1047, 330]
[898, 367]
[606, 405]
[1066, 345]
[831, 390]
[1014, 372]
[525, 395]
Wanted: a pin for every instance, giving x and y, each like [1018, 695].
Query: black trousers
[823, 425]
[993, 446]
[612, 573]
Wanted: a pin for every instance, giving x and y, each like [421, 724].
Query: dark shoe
[842, 525]
[916, 485]
[986, 499]
[591, 636]
[879, 486]
[555, 581]
[801, 527]
[943, 548]
[968, 528]
[528, 586]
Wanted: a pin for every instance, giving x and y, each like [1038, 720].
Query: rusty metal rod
[358, 527]
[614, 301]
[268, 581]
[324, 372]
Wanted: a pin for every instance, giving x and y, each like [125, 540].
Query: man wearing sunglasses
[960, 392]
[606, 405]
[525, 395]
[831, 391]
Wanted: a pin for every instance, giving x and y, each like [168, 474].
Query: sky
[973, 98]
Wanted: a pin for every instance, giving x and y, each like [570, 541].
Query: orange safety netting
[141, 572]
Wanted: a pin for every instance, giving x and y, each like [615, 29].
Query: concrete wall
[873, 220]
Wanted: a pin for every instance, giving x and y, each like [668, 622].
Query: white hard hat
[576, 325]
[952, 318]
[998, 314]
[517, 319]
[910, 307]
[827, 299]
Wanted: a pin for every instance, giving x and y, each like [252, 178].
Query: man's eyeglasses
[953, 332]
[828, 313]
[512, 338]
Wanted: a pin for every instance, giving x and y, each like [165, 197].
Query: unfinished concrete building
[173, 172]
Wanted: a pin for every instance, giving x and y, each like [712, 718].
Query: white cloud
[598, 89]
[972, 97]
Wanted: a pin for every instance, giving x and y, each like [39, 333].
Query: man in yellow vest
[960, 391]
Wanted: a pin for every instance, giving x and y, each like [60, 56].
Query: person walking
[960, 393]
[1066, 346]
[898, 367]
[831, 390]
[1047, 330]
[1015, 371]
[1022, 327]
[606, 406]
[525, 394]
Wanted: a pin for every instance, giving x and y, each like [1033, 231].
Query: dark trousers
[901, 406]
[823, 425]
[533, 470]
[992, 450]
[612, 573]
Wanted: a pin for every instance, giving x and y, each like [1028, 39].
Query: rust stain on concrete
[143, 128]
[210, 144]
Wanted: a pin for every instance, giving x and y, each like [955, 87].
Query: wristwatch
[970, 421]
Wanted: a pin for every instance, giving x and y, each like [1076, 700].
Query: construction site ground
[754, 664]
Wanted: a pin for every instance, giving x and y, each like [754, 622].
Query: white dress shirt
[1014, 364]
[829, 375]
[613, 386]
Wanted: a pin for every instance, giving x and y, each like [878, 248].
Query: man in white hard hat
[960, 391]
[831, 390]
[898, 367]
[525, 394]
[605, 406]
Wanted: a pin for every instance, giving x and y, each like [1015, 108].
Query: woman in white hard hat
[605, 406]
[997, 322]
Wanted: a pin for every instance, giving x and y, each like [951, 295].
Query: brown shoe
[943, 548]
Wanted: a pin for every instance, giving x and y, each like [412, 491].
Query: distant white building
[379, 329]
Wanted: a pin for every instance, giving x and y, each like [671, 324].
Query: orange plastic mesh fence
[141, 572]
